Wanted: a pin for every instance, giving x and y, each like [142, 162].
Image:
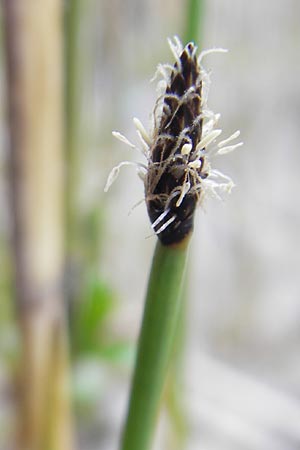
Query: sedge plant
[174, 398]
[177, 177]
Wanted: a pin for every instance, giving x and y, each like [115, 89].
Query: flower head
[178, 173]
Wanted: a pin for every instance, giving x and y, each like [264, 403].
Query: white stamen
[160, 218]
[208, 126]
[229, 148]
[211, 50]
[140, 127]
[165, 225]
[122, 138]
[142, 173]
[231, 138]
[195, 164]
[208, 114]
[204, 76]
[186, 149]
[198, 173]
[116, 170]
[184, 191]
[145, 146]
[206, 140]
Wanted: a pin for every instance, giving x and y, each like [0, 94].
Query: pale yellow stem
[34, 45]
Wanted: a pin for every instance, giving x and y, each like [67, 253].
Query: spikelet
[179, 174]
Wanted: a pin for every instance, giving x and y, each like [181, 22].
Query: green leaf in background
[119, 352]
[88, 331]
[89, 315]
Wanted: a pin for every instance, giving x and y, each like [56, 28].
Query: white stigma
[211, 50]
[175, 49]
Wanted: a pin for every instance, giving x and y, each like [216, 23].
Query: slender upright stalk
[177, 177]
[193, 32]
[33, 48]
[194, 20]
[155, 344]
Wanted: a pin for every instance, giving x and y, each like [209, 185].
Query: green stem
[155, 344]
[194, 20]
[193, 31]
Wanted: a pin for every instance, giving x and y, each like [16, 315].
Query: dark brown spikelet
[180, 148]
[175, 168]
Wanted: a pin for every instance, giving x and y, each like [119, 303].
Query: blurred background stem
[194, 21]
[33, 48]
[72, 63]
[155, 345]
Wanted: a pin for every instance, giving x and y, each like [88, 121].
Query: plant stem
[193, 32]
[155, 344]
[194, 20]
